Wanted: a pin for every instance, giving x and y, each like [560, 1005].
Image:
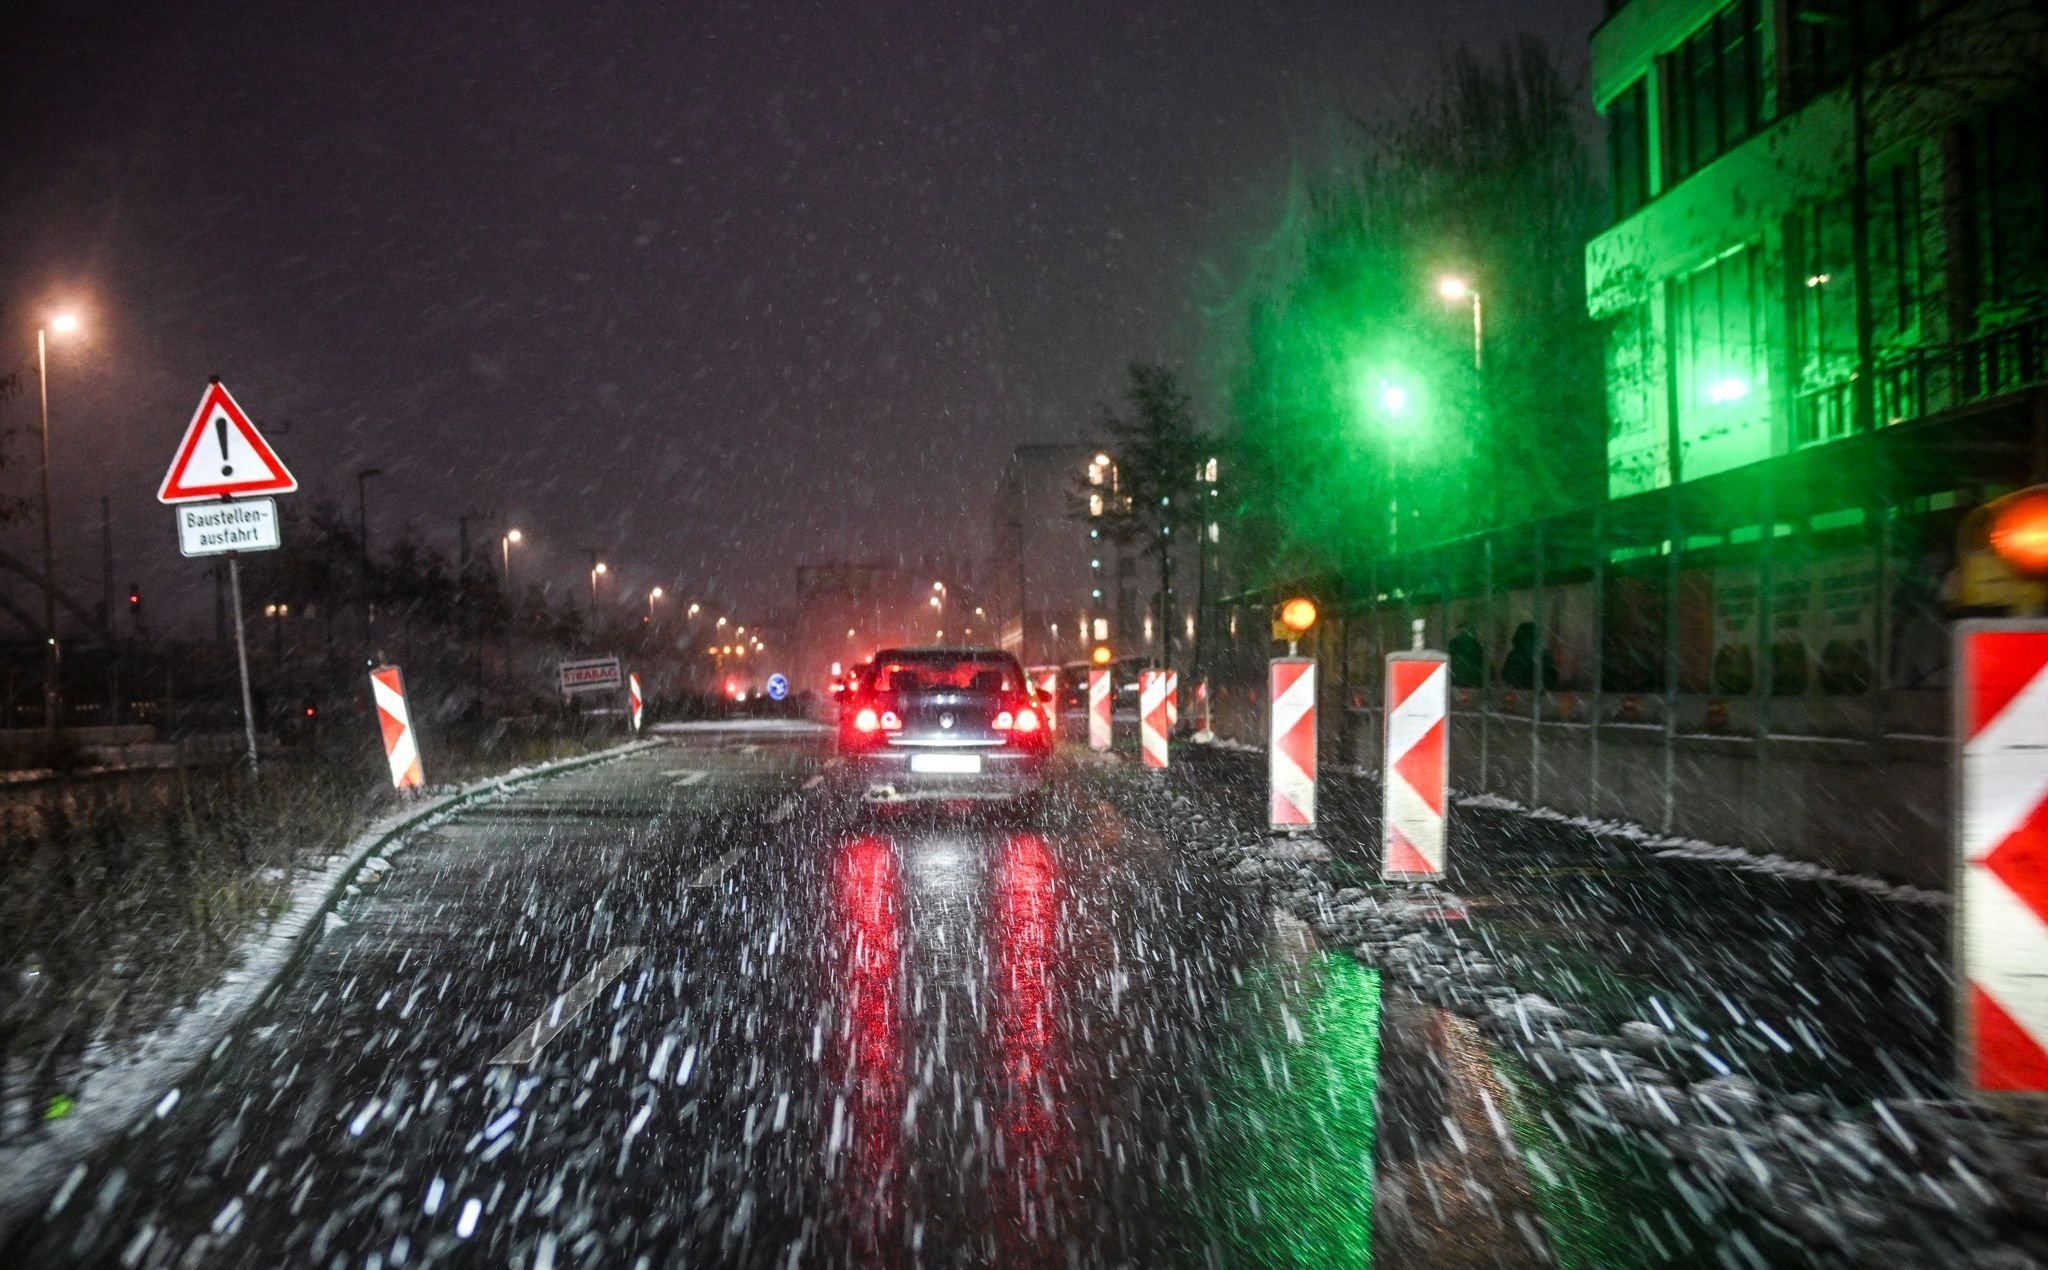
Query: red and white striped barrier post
[1172, 701]
[1291, 752]
[1417, 757]
[1152, 725]
[633, 696]
[387, 689]
[1099, 704]
[1049, 687]
[2001, 858]
[1205, 713]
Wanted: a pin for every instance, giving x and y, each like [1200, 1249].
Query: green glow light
[1295, 1124]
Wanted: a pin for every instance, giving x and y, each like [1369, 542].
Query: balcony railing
[1910, 384]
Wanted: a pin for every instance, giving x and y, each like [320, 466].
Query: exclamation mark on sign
[220, 430]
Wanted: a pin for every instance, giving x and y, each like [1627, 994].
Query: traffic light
[135, 599]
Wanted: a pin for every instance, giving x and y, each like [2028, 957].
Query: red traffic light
[2019, 531]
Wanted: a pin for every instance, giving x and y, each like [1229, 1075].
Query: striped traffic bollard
[387, 688]
[633, 696]
[1099, 704]
[1417, 758]
[1291, 752]
[1172, 701]
[2001, 835]
[1152, 725]
[1049, 691]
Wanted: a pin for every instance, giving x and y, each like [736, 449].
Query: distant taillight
[866, 721]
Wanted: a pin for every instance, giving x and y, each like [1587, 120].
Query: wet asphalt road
[811, 1037]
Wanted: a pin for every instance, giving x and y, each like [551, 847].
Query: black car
[945, 724]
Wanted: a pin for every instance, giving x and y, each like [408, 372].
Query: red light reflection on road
[864, 1140]
[1031, 1045]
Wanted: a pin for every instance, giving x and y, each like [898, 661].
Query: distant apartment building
[1059, 583]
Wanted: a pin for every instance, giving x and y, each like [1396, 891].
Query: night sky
[714, 288]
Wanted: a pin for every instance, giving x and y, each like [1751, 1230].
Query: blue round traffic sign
[778, 686]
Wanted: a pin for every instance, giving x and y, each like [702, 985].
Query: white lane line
[690, 777]
[563, 1009]
[716, 869]
[782, 811]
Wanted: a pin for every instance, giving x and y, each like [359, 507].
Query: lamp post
[505, 548]
[1456, 289]
[652, 596]
[597, 570]
[363, 508]
[61, 324]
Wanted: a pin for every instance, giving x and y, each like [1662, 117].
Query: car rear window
[935, 672]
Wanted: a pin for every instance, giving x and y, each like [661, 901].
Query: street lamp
[597, 570]
[696, 609]
[721, 623]
[1457, 290]
[60, 324]
[505, 547]
[652, 596]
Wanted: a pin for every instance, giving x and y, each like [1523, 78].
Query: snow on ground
[1676, 848]
[740, 725]
[121, 1082]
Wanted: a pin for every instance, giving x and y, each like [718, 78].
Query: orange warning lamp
[1101, 656]
[2019, 531]
[1296, 616]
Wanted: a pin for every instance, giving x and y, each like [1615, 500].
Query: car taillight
[1024, 721]
[1003, 722]
[890, 723]
[866, 721]
[1027, 720]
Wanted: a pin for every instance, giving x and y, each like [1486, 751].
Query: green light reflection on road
[1293, 1118]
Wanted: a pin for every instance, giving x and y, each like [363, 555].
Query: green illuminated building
[1732, 274]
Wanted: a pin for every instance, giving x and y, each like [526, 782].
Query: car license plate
[953, 764]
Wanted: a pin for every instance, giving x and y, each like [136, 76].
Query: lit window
[1101, 628]
[1095, 505]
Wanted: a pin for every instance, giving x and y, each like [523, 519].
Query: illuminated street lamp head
[1298, 614]
[599, 567]
[1393, 398]
[513, 535]
[1452, 287]
[695, 609]
[63, 323]
[656, 593]
[1101, 656]
[721, 621]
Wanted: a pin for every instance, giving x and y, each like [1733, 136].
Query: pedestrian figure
[1519, 670]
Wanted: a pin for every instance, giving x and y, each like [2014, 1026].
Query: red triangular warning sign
[223, 456]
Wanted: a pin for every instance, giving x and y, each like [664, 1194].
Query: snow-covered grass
[799, 726]
[120, 1082]
[1680, 848]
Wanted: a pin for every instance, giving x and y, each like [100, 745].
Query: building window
[2008, 184]
[1719, 337]
[1716, 86]
[1628, 148]
[1101, 629]
[1823, 262]
[1821, 34]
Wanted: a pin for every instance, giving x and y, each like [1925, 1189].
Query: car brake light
[866, 721]
[1027, 720]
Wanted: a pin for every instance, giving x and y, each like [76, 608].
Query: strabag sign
[592, 674]
[212, 529]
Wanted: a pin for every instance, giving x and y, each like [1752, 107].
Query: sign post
[1291, 751]
[394, 718]
[2001, 860]
[1417, 764]
[1152, 718]
[1099, 718]
[223, 458]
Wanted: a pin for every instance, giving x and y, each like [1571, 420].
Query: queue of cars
[943, 724]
